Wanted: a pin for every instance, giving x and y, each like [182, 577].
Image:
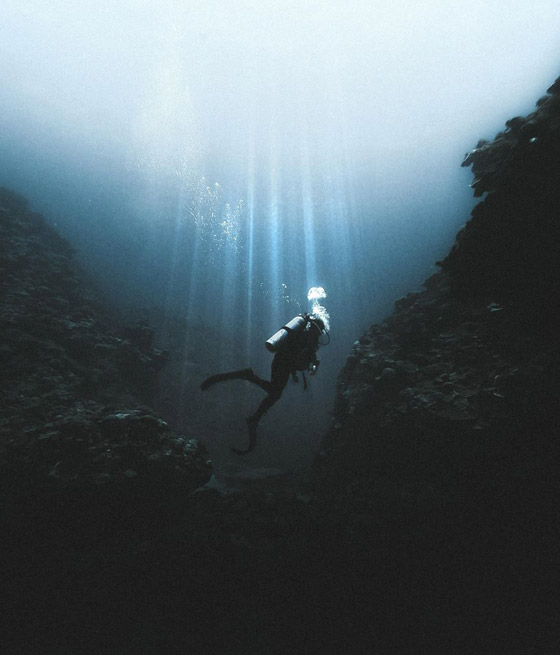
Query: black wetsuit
[293, 357]
[298, 353]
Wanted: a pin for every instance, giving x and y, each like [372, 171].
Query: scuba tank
[275, 342]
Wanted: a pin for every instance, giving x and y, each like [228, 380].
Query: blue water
[216, 161]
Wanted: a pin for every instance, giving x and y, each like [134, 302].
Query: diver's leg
[279, 378]
[280, 374]
[265, 385]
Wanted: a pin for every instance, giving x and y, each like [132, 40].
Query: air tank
[279, 338]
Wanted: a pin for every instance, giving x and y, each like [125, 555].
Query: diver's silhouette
[295, 346]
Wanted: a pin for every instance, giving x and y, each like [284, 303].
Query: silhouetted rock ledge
[444, 448]
[73, 422]
[475, 355]
[510, 249]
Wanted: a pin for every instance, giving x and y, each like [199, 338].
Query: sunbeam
[308, 212]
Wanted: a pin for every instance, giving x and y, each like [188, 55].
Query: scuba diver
[295, 348]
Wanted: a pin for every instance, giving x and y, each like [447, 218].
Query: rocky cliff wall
[74, 414]
[478, 349]
[443, 456]
[510, 248]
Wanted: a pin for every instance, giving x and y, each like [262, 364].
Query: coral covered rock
[510, 248]
[72, 417]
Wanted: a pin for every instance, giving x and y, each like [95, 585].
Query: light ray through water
[273, 237]
[250, 241]
[308, 211]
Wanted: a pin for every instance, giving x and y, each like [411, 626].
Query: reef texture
[510, 249]
[73, 414]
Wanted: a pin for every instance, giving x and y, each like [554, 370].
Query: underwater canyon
[425, 521]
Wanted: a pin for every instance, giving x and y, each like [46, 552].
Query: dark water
[211, 165]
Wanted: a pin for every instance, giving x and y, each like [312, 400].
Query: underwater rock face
[442, 366]
[442, 458]
[478, 348]
[510, 248]
[72, 413]
[474, 355]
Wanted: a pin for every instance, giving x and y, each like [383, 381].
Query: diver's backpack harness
[296, 326]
